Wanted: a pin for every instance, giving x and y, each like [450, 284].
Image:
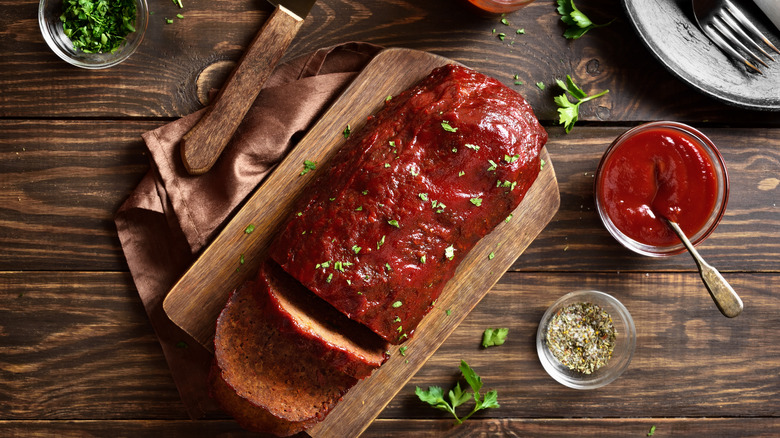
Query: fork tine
[737, 13]
[730, 21]
[718, 24]
[720, 42]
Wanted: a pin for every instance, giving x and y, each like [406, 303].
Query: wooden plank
[160, 79]
[53, 218]
[690, 361]
[196, 299]
[760, 427]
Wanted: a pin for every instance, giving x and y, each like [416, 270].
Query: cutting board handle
[202, 145]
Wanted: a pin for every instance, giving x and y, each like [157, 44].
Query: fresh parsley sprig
[577, 22]
[568, 111]
[434, 396]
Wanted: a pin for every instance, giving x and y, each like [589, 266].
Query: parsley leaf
[308, 166]
[577, 22]
[494, 337]
[569, 112]
[434, 396]
[446, 126]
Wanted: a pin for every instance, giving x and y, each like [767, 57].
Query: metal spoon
[722, 293]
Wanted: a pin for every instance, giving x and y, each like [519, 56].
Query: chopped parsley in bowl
[93, 34]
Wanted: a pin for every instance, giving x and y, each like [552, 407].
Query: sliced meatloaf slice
[261, 378]
[317, 327]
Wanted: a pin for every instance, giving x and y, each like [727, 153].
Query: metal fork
[729, 28]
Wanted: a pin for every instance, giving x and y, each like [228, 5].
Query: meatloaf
[261, 377]
[316, 327]
[381, 231]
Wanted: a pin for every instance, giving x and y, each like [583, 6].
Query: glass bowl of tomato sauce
[658, 171]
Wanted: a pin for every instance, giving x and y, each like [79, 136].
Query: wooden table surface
[79, 357]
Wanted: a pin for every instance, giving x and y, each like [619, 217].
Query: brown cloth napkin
[172, 215]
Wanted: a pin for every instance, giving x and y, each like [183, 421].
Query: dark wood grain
[44, 163]
[689, 359]
[78, 356]
[537, 427]
[168, 63]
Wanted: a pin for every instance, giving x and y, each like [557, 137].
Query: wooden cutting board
[195, 301]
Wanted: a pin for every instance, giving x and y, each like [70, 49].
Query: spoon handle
[720, 290]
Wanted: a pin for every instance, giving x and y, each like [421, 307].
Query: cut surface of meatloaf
[383, 228]
[317, 327]
[261, 378]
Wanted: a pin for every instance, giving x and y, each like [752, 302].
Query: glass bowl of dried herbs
[586, 339]
[93, 34]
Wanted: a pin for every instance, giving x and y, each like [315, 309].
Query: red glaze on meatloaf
[317, 327]
[263, 379]
[381, 231]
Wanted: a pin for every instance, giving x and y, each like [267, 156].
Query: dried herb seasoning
[582, 337]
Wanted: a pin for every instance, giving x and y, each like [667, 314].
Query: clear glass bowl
[625, 342]
[49, 12]
[722, 183]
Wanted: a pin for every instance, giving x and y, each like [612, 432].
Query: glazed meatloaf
[262, 377]
[382, 230]
[316, 327]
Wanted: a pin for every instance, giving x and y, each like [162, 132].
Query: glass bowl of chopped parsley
[586, 339]
[93, 34]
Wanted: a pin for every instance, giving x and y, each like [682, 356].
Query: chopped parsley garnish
[569, 112]
[542, 164]
[356, 249]
[330, 277]
[347, 131]
[422, 259]
[494, 337]
[402, 350]
[423, 196]
[388, 267]
[308, 166]
[448, 312]
[493, 165]
[505, 22]
[391, 143]
[508, 218]
[359, 208]
[249, 228]
[381, 242]
[540, 85]
[387, 99]
[98, 26]
[476, 201]
[387, 165]
[414, 170]
[461, 173]
[472, 146]
[446, 125]
[394, 223]
[449, 252]
[511, 159]
[491, 255]
[501, 36]
[520, 31]
[397, 304]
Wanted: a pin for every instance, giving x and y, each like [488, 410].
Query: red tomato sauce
[653, 174]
